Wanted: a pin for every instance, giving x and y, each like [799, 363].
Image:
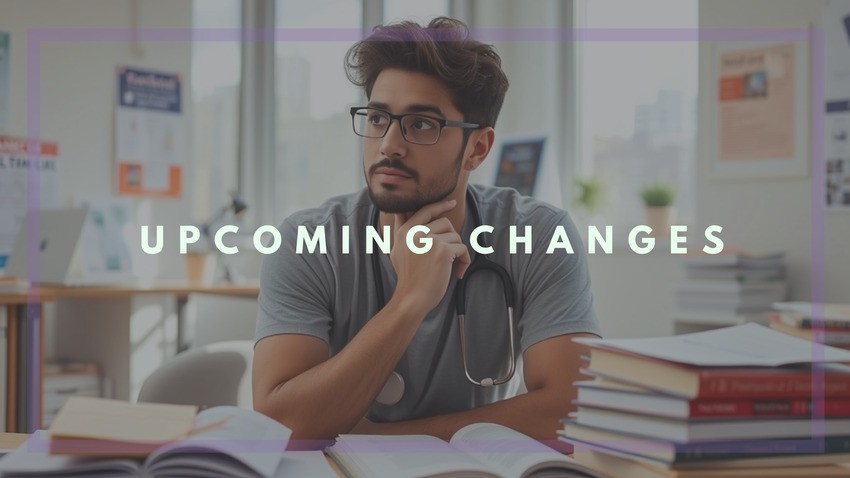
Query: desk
[84, 321]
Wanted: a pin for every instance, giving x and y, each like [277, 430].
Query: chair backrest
[216, 318]
[215, 374]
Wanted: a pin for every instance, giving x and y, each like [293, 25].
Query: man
[335, 328]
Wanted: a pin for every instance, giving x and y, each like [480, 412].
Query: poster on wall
[519, 163]
[150, 142]
[5, 64]
[759, 110]
[836, 24]
[25, 164]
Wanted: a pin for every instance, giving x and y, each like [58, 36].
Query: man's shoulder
[498, 203]
[345, 209]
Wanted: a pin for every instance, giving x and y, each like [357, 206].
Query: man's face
[401, 176]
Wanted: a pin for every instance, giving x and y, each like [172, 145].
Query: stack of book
[823, 323]
[736, 285]
[745, 400]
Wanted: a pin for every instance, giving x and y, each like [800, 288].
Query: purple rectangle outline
[37, 36]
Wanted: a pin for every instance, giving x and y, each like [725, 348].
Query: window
[316, 153]
[638, 104]
[215, 102]
[416, 10]
[317, 156]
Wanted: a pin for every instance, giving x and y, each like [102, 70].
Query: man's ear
[480, 142]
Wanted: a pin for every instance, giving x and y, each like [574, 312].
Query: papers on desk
[743, 345]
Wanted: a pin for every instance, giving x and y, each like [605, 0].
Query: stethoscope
[394, 388]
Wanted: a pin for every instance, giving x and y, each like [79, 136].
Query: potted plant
[589, 201]
[658, 199]
[591, 193]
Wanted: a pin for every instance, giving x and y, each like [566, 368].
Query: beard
[436, 190]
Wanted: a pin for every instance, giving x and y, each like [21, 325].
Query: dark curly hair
[471, 70]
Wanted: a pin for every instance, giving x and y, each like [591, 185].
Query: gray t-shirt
[331, 296]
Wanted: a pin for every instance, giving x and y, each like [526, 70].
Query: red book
[617, 396]
[828, 380]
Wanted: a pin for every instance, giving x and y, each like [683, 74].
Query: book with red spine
[831, 380]
[618, 396]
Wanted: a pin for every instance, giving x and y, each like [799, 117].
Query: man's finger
[440, 225]
[431, 211]
[461, 258]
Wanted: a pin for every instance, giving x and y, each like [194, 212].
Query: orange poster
[756, 112]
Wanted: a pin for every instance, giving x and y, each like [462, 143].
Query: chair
[215, 318]
[207, 376]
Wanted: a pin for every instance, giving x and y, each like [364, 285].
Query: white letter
[473, 239]
[426, 241]
[675, 240]
[156, 249]
[258, 243]
[649, 242]
[345, 239]
[525, 239]
[593, 237]
[186, 239]
[220, 234]
[560, 240]
[318, 238]
[372, 238]
[718, 243]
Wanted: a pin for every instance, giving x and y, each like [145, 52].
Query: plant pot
[659, 218]
[200, 268]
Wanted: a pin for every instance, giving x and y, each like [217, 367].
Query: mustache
[395, 164]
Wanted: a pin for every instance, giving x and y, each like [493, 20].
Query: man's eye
[377, 120]
[423, 124]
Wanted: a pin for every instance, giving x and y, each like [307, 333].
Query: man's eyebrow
[415, 108]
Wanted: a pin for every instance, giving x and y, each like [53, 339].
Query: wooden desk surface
[47, 293]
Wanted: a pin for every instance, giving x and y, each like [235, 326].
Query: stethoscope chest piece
[393, 390]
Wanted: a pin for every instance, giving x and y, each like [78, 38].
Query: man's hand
[424, 278]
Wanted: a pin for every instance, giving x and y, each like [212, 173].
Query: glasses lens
[370, 123]
[421, 129]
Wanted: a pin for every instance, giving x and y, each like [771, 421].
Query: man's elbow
[306, 430]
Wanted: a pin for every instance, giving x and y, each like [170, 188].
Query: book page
[742, 345]
[511, 452]
[32, 460]
[404, 456]
[245, 440]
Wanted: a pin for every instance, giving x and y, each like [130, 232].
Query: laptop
[58, 255]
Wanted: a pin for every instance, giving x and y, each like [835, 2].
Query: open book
[482, 450]
[228, 441]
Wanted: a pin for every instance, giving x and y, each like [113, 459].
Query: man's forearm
[536, 414]
[331, 397]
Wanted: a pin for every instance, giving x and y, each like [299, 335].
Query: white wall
[772, 214]
[77, 89]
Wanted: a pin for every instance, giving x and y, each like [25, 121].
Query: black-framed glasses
[415, 128]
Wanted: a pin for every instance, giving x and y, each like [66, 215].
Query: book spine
[734, 449]
[766, 408]
[753, 386]
[807, 323]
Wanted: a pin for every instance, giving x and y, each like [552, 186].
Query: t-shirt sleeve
[295, 290]
[556, 292]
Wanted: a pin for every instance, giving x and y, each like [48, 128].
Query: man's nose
[393, 143]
